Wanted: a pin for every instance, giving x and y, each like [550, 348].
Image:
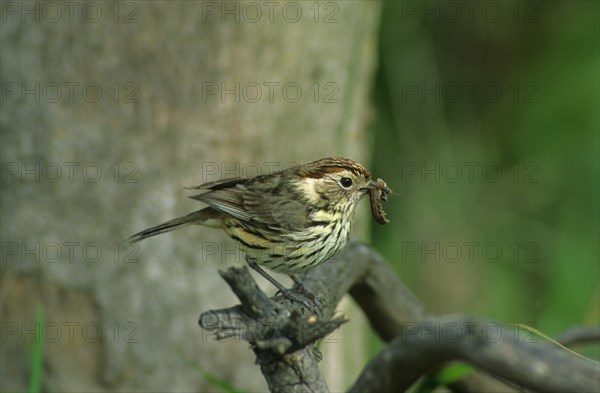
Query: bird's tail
[204, 216]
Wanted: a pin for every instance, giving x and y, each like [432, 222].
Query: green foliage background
[534, 114]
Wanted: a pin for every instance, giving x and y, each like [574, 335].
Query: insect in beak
[378, 193]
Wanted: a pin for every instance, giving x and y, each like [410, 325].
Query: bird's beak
[369, 186]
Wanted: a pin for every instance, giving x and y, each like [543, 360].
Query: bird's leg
[296, 280]
[266, 275]
[293, 297]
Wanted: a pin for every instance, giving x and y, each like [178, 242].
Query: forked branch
[283, 336]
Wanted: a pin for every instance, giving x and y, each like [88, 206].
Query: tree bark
[104, 118]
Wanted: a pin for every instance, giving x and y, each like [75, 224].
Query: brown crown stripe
[319, 168]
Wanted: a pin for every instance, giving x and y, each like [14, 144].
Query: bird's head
[336, 182]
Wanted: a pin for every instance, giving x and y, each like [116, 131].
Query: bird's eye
[346, 182]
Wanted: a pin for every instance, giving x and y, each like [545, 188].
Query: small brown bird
[287, 221]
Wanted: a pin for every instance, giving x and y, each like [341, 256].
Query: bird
[287, 221]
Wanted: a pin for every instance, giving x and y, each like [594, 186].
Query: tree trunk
[108, 110]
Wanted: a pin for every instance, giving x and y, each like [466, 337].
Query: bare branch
[580, 335]
[530, 364]
[390, 306]
[386, 301]
[282, 335]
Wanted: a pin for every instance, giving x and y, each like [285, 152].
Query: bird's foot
[316, 307]
[304, 298]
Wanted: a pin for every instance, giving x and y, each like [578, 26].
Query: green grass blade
[445, 376]
[211, 378]
[37, 353]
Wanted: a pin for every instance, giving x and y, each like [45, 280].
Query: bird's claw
[304, 297]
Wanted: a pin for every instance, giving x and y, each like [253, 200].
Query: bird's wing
[227, 200]
[277, 212]
[263, 203]
[219, 184]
